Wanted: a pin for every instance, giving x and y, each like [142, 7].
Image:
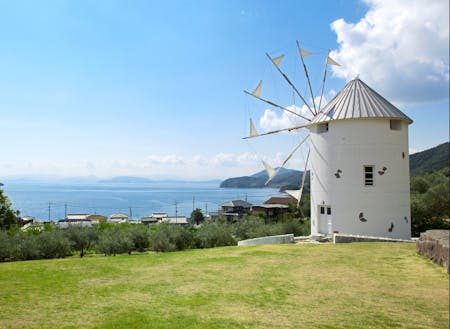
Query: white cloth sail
[270, 171]
[304, 53]
[257, 91]
[277, 60]
[331, 61]
[275, 172]
[296, 194]
[253, 132]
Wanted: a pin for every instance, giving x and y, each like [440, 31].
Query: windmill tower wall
[360, 175]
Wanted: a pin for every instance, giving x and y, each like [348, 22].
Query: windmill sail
[253, 132]
[270, 171]
[286, 160]
[297, 194]
[291, 84]
[304, 52]
[277, 60]
[257, 91]
[331, 61]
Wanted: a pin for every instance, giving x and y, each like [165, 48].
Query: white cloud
[275, 120]
[170, 159]
[399, 47]
[271, 120]
[214, 166]
[232, 160]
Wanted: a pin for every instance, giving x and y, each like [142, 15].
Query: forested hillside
[430, 201]
[285, 179]
[429, 160]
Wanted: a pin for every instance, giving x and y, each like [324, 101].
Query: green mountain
[429, 160]
[285, 179]
[419, 163]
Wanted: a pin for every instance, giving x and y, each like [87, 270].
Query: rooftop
[280, 200]
[237, 203]
[356, 101]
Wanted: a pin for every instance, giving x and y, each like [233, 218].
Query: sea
[52, 201]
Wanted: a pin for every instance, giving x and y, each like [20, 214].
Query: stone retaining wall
[434, 244]
[274, 239]
[347, 238]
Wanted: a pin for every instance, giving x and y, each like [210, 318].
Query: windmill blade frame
[274, 131]
[277, 106]
[291, 84]
[297, 194]
[286, 160]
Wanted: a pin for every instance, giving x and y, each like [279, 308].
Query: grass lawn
[359, 285]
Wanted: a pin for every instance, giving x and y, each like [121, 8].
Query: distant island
[420, 163]
[127, 180]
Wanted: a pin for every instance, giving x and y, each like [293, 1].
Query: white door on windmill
[325, 223]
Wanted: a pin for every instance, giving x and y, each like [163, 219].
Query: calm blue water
[143, 199]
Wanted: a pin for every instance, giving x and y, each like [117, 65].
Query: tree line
[50, 241]
[430, 201]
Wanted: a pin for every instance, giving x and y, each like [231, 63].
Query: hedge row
[108, 239]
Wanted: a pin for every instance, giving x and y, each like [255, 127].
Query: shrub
[5, 246]
[429, 202]
[140, 238]
[214, 235]
[296, 227]
[115, 241]
[169, 237]
[247, 227]
[8, 217]
[53, 244]
[25, 246]
[81, 238]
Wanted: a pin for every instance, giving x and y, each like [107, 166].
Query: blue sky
[154, 88]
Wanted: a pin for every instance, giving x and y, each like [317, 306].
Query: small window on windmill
[368, 175]
[322, 128]
[396, 125]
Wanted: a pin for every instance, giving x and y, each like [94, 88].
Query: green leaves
[429, 202]
[8, 217]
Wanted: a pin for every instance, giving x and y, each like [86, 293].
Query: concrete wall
[274, 239]
[342, 238]
[338, 157]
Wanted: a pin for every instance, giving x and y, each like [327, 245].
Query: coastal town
[230, 211]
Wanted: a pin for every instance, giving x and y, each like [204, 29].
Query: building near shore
[118, 218]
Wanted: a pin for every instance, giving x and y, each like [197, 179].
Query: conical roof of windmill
[358, 101]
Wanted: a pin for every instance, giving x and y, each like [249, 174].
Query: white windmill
[358, 147]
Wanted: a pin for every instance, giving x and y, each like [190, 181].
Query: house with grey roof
[233, 210]
[118, 218]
